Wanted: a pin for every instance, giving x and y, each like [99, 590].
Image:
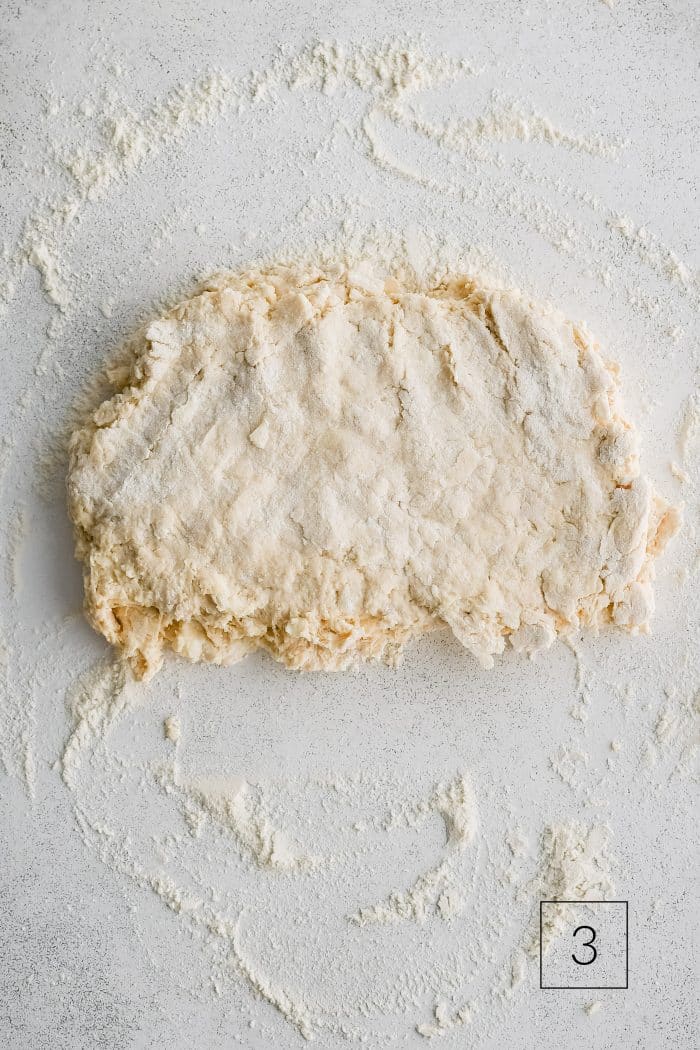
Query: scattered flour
[445, 1019]
[568, 764]
[17, 714]
[517, 842]
[575, 864]
[437, 890]
[96, 701]
[689, 433]
[390, 76]
[198, 914]
[656, 255]
[235, 805]
[172, 729]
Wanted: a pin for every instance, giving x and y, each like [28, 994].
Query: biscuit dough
[327, 464]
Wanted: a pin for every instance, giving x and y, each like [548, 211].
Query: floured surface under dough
[328, 464]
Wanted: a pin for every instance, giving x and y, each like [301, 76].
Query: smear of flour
[10, 715]
[172, 729]
[689, 432]
[444, 1020]
[238, 807]
[96, 701]
[568, 763]
[103, 698]
[575, 864]
[676, 730]
[198, 914]
[656, 255]
[390, 76]
[574, 859]
[17, 715]
[437, 891]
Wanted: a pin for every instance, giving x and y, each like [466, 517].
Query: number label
[586, 944]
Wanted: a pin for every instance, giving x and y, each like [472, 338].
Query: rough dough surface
[328, 464]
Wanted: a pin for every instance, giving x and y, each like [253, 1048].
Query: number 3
[586, 944]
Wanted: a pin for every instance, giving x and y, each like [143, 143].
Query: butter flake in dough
[325, 465]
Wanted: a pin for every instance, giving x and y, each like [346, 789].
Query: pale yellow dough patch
[327, 464]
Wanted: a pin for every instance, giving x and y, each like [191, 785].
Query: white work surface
[90, 955]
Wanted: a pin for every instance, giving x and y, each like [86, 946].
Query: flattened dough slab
[327, 464]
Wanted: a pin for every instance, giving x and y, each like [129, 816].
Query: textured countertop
[142, 905]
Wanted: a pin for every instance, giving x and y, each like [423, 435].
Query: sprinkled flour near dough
[172, 729]
[574, 865]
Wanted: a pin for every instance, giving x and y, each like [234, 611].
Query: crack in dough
[326, 464]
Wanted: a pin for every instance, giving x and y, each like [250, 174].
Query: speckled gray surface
[88, 958]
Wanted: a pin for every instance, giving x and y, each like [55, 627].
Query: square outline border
[589, 987]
